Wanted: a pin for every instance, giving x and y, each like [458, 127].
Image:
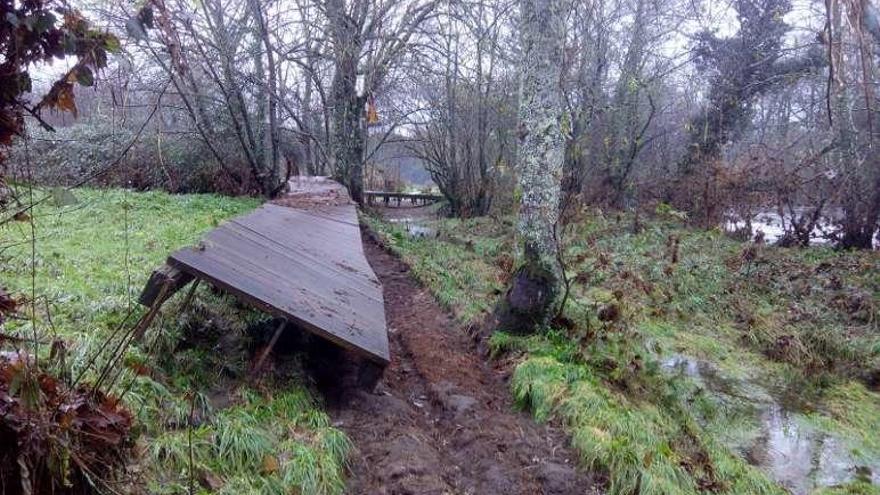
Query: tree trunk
[625, 125]
[347, 144]
[348, 139]
[535, 294]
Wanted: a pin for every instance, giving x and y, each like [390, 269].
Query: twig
[566, 203]
[16, 338]
[33, 113]
[189, 434]
[830, 81]
[33, 246]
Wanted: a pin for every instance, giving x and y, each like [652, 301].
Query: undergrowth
[801, 322]
[199, 422]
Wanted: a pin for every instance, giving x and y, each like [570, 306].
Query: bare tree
[368, 37]
[854, 47]
[465, 132]
[741, 68]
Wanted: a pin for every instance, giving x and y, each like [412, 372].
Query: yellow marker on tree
[372, 114]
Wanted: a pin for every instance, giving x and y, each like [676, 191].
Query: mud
[441, 420]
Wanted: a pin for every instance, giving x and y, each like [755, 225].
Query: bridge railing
[387, 197]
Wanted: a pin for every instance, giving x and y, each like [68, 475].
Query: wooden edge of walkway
[361, 327]
[268, 308]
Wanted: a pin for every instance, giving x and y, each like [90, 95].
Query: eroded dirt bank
[441, 420]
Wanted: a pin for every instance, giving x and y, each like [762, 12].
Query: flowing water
[773, 225]
[785, 443]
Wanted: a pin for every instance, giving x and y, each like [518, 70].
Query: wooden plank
[306, 265]
[303, 284]
[319, 247]
[165, 274]
[279, 255]
[264, 294]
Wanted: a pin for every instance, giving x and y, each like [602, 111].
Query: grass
[186, 382]
[800, 324]
[469, 288]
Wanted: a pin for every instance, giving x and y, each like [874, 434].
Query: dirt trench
[441, 420]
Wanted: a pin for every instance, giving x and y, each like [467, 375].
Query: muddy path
[441, 420]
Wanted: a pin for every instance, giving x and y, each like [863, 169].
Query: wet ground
[448, 425]
[413, 219]
[441, 420]
[793, 449]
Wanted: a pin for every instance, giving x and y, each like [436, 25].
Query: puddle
[783, 442]
[413, 227]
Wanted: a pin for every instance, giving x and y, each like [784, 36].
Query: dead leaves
[60, 97]
[44, 425]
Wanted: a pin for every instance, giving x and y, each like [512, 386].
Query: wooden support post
[369, 374]
[164, 276]
[163, 283]
[164, 292]
[268, 349]
[189, 295]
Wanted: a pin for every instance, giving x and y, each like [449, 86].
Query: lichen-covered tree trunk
[536, 290]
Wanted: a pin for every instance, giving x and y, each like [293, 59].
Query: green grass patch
[798, 324]
[185, 383]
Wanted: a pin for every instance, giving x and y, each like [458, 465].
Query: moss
[535, 296]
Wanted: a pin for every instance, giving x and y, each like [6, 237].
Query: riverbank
[786, 339]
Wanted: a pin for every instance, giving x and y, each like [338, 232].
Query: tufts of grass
[239, 440]
[268, 445]
[803, 322]
[183, 383]
[469, 287]
[643, 446]
[855, 488]
[852, 410]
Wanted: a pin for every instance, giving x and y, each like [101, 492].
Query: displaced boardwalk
[441, 419]
[301, 260]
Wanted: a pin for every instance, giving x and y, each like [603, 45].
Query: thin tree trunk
[276, 179]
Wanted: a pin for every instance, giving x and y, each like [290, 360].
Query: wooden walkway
[301, 260]
[413, 198]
